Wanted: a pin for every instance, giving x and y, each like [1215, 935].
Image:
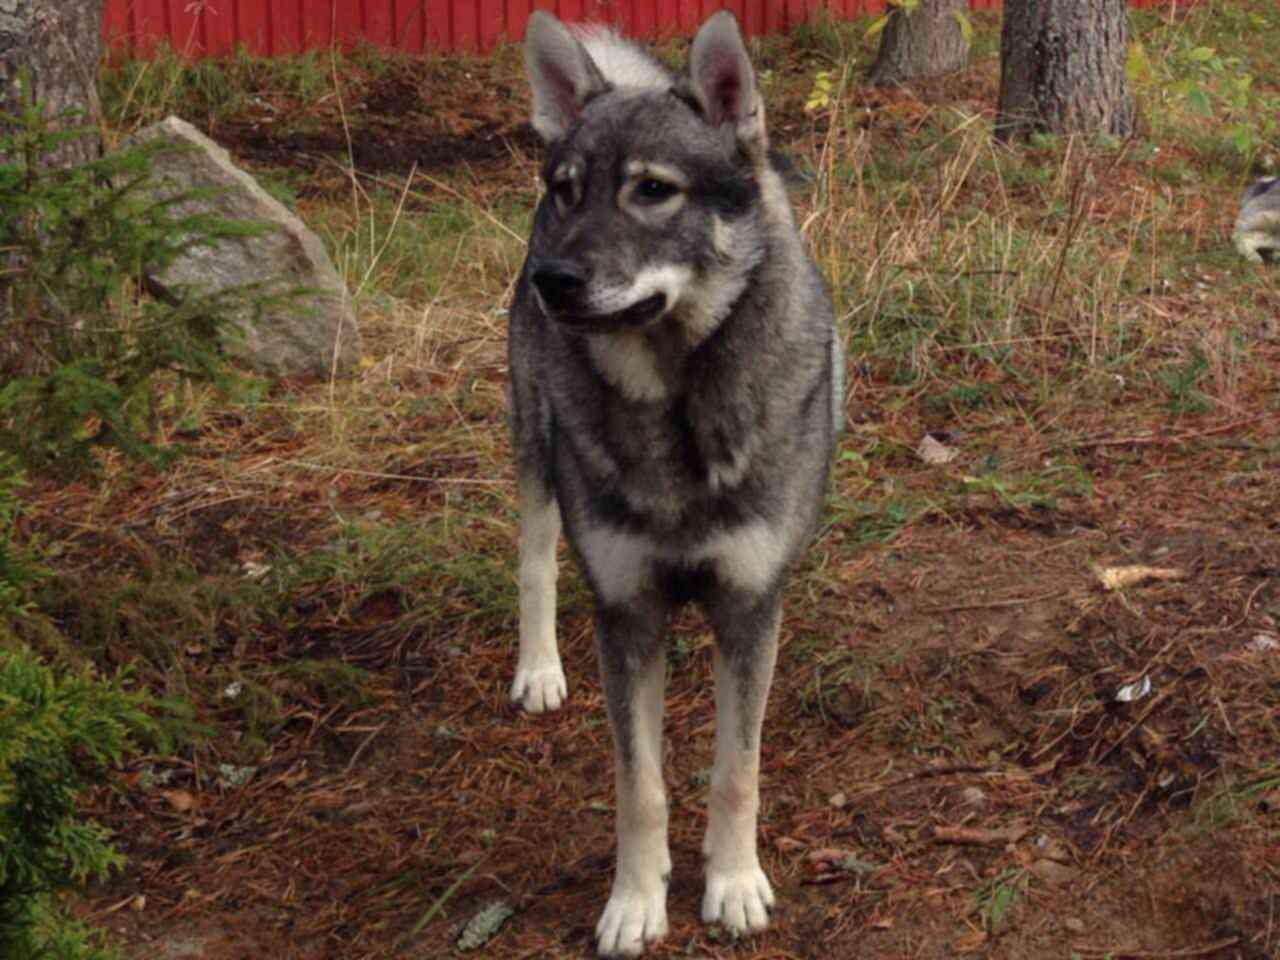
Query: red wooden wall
[276, 27]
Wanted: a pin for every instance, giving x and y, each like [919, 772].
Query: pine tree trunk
[927, 42]
[1062, 68]
[49, 54]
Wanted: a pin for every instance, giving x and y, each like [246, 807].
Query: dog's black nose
[560, 282]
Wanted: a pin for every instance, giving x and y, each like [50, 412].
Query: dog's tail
[621, 61]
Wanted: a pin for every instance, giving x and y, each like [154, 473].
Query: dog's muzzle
[561, 284]
[562, 289]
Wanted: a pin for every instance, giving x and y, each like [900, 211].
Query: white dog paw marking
[632, 917]
[738, 900]
[540, 688]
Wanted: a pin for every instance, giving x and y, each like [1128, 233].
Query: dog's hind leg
[633, 670]
[738, 894]
[539, 682]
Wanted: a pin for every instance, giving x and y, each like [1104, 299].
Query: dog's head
[653, 184]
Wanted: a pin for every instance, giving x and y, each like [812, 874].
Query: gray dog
[676, 391]
[1257, 233]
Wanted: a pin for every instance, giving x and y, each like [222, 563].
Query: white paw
[738, 900]
[632, 918]
[540, 688]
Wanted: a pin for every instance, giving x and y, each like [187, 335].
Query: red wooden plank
[117, 32]
[276, 27]
[768, 17]
[318, 19]
[666, 17]
[148, 27]
[491, 22]
[376, 22]
[345, 23]
[789, 10]
[253, 27]
[286, 27]
[466, 26]
[517, 19]
[410, 25]
[624, 16]
[688, 14]
[612, 12]
[218, 28]
[644, 19]
[436, 15]
[570, 10]
[775, 16]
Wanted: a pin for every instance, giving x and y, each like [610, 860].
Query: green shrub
[83, 350]
[18, 570]
[60, 734]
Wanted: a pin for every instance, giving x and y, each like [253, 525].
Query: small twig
[192, 508]
[1120, 952]
[992, 604]
[935, 772]
[439, 904]
[1158, 701]
[389, 476]
[107, 911]
[1154, 438]
[1248, 606]
[391, 230]
[360, 749]
[978, 837]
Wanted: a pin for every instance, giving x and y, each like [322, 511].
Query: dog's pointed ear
[722, 79]
[561, 74]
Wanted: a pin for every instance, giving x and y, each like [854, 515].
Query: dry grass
[948, 768]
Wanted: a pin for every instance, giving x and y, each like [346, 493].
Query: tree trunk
[1062, 68]
[925, 42]
[49, 54]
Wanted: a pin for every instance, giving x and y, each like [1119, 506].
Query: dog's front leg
[738, 894]
[539, 682]
[633, 670]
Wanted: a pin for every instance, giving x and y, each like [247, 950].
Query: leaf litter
[953, 679]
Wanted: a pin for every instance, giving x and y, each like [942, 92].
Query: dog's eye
[564, 195]
[653, 191]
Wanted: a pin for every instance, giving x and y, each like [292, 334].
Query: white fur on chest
[748, 557]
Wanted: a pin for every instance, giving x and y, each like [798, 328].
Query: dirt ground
[991, 754]
[972, 747]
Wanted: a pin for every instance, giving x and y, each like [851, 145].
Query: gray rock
[312, 333]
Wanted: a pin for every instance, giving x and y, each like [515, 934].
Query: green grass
[138, 92]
